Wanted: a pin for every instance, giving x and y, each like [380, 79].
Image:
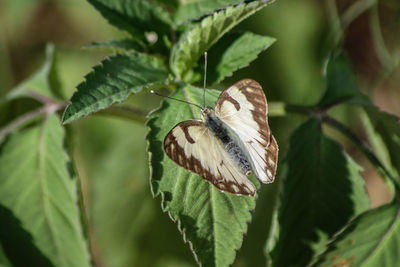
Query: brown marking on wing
[177, 154]
[224, 96]
[254, 93]
[257, 98]
[272, 158]
[185, 127]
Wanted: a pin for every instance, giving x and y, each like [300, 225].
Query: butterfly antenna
[205, 79]
[173, 98]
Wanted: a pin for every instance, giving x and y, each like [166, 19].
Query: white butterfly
[229, 141]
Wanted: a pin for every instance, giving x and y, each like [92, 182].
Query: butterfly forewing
[192, 145]
[243, 107]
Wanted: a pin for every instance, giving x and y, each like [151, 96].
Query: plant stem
[278, 109]
[28, 117]
[41, 98]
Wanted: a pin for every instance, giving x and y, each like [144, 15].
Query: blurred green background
[126, 225]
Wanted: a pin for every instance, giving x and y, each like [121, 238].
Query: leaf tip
[66, 117]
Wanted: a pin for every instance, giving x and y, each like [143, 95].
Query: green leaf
[383, 128]
[371, 239]
[340, 81]
[38, 82]
[113, 81]
[211, 221]
[234, 52]
[199, 38]
[116, 46]
[38, 197]
[4, 262]
[135, 17]
[384, 132]
[321, 190]
[196, 9]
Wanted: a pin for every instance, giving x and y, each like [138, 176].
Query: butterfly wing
[191, 145]
[243, 107]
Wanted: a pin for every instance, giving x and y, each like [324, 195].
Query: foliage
[322, 215]
[321, 198]
[366, 241]
[204, 214]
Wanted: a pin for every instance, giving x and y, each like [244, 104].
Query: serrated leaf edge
[332, 240]
[165, 210]
[144, 87]
[184, 36]
[247, 64]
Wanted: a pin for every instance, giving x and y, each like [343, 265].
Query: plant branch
[282, 109]
[41, 98]
[363, 147]
[30, 116]
[278, 109]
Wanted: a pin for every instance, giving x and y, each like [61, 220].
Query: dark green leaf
[135, 17]
[371, 239]
[384, 132]
[234, 52]
[321, 190]
[4, 262]
[196, 9]
[199, 38]
[113, 81]
[341, 86]
[340, 81]
[116, 46]
[211, 221]
[38, 200]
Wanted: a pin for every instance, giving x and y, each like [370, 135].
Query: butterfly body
[229, 141]
[227, 138]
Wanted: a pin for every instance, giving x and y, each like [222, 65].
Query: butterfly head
[206, 112]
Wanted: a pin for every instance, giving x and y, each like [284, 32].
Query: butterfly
[229, 142]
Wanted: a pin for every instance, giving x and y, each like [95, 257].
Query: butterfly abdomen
[238, 156]
[219, 130]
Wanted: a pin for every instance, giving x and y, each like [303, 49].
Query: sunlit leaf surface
[211, 221]
[203, 35]
[38, 200]
[113, 81]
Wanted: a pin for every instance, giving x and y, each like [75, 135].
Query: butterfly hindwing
[191, 145]
[243, 107]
